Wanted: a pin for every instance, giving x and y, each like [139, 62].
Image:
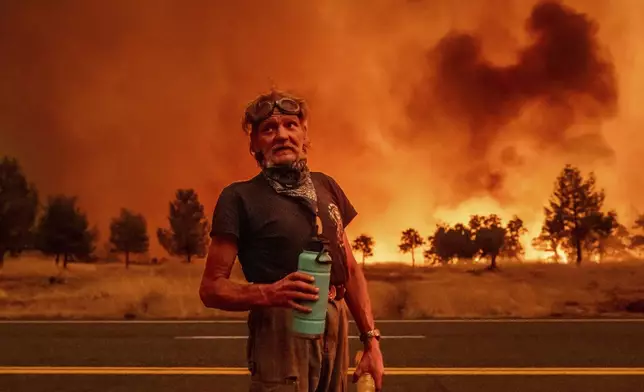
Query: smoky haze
[563, 70]
[417, 107]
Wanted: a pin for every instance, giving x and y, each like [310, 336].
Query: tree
[489, 237]
[637, 239]
[440, 249]
[129, 234]
[512, 247]
[574, 214]
[616, 245]
[461, 240]
[18, 208]
[449, 243]
[409, 241]
[484, 236]
[188, 232]
[552, 233]
[63, 230]
[603, 226]
[364, 244]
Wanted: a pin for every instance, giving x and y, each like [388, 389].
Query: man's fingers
[297, 275]
[362, 368]
[378, 381]
[299, 307]
[357, 374]
[302, 286]
[300, 296]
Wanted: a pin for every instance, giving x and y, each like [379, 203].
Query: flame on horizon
[423, 111]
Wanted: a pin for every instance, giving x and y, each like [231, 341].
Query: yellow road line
[383, 321]
[391, 371]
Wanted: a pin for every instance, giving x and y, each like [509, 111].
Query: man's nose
[281, 132]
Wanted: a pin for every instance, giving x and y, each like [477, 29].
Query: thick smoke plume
[563, 71]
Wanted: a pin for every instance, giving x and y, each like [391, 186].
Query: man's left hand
[372, 363]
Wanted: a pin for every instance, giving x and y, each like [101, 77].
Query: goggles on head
[263, 109]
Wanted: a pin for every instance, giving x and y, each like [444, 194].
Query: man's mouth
[282, 148]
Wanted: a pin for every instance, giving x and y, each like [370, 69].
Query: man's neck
[290, 174]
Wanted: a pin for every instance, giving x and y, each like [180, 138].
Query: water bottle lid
[317, 244]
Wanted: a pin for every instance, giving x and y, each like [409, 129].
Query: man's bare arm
[217, 290]
[357, 296]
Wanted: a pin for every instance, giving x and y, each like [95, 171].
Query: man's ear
[305, 127]
[306, 145]
[251, 148]
[252, 141]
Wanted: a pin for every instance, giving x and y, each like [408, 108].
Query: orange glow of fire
[387, 250]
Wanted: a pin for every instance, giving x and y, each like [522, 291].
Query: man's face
[280, 139]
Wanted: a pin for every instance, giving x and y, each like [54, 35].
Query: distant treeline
[575, 224]
[61, 230]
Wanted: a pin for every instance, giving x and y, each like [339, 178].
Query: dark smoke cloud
[562, 70]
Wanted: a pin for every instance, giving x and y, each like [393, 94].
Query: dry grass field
[33, 287]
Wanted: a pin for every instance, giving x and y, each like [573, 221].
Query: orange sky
[123, 104]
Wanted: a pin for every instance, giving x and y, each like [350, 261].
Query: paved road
[442, 356]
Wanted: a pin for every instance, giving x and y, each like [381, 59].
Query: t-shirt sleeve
[344, 204]
[226, 217]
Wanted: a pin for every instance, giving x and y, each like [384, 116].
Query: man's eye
[291, 124]
[268, 129]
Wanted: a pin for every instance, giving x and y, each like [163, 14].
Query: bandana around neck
[292, 180]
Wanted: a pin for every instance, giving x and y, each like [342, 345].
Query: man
[266, 222]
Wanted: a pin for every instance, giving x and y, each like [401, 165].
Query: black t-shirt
[273, 229]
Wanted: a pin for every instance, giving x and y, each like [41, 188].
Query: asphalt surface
[452, 356]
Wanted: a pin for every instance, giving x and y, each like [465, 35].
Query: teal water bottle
[315, 260]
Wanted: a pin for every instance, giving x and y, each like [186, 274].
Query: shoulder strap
[317, 229]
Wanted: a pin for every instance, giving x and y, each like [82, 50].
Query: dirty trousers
[281, 362]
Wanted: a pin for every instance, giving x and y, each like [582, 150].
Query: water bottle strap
[317, 223]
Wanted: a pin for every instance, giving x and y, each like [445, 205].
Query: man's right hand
[293, 288]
